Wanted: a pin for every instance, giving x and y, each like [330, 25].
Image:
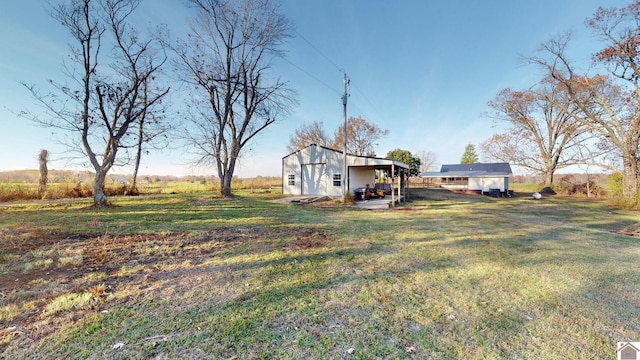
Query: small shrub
[349, 199]
[569, 186]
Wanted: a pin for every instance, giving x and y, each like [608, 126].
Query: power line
[338, 67]
[320, 52]
[370, 103]
[312, 76]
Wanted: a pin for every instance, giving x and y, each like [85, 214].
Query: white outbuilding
[483, 178]
[317, 170]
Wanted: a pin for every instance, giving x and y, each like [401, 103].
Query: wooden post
[345, 178]
[399, 186]
[393, 193]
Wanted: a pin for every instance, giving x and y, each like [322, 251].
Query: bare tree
[152, 132]
[610, 109]
[103, 100]
[43, 158]
[227, 59]
[428, 160]
[362, 137]
[308, 134]
[541, 135]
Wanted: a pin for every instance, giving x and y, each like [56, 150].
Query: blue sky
[423, 69]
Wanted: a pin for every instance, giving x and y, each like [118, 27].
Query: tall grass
[16, 191]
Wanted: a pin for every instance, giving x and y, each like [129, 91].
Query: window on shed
[292, 179]
[337, 180]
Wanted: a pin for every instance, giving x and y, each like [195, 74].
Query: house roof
[471, 170]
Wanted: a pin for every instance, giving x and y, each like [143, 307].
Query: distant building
[478, 178]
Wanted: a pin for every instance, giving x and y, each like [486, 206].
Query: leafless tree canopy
[541, 135]
[428, 160]
[306, 135]
[103, 99]
[227, 60]
[362, 137]
[608, 107]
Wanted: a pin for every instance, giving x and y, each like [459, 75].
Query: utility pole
[344, 149]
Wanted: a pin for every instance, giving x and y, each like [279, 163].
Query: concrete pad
[374, 204]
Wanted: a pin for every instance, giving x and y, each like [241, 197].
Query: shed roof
[359, 160]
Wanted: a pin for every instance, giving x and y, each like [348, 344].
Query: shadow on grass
[501, 279]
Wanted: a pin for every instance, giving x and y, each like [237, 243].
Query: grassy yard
[447, 276]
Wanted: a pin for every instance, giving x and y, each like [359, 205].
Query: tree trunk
[99, 198]
[42, 183]
[548, 179]
[225, 185]
[548, 175]
[629, 177]
[133, 189]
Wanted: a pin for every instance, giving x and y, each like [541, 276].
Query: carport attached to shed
[317, 170]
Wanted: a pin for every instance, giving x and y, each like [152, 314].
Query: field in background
[23, 185]
[190, 276]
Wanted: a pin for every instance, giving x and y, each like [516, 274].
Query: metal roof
[471, 170]
[359, 160]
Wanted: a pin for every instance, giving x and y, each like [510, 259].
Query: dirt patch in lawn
[48, 281]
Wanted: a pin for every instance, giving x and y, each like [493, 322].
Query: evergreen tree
[470, 156]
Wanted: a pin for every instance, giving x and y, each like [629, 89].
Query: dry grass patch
[53, 281]
[447, 276]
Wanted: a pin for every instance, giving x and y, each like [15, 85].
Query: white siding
[493, 183]
[314, 179]
[361, 176]
[313, 168]
[476, 184]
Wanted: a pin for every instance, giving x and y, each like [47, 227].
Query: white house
[478, 178]
[317, 170]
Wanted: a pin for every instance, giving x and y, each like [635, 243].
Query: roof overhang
[375, 162]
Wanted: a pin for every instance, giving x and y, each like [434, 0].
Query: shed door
[314, 179]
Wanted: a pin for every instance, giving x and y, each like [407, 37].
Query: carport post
[393, 196]
[400, 186]
[406, 186]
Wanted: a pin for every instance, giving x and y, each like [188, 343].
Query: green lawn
[192, 276]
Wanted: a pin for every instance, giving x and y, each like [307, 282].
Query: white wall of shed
[361, 176]
[313, 164]
[314, 179]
